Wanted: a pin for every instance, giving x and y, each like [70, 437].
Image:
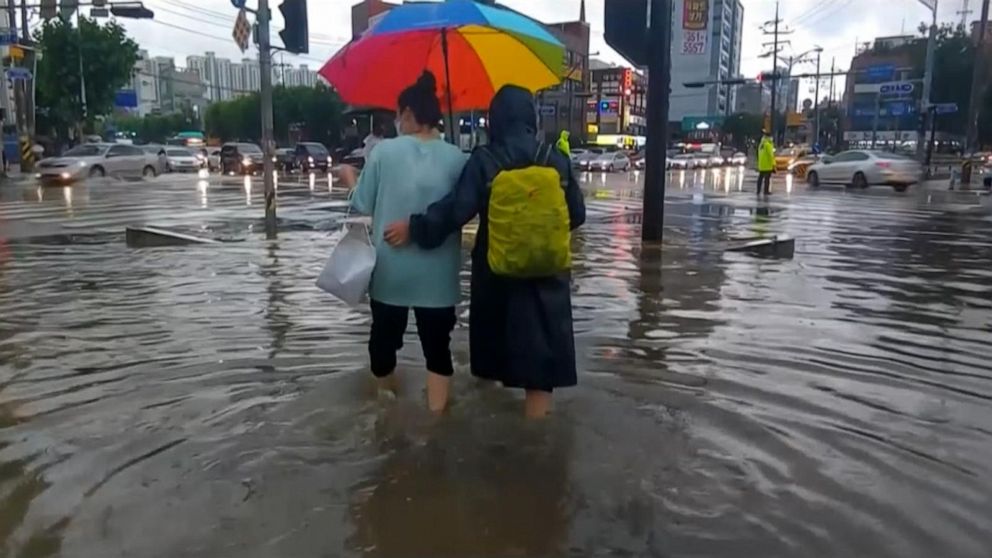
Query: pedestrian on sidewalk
[402, 176]
[766, 162]
[520, 329]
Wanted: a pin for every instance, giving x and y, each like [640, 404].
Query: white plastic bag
[349, 269]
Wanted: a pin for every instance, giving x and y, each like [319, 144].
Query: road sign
[18, 73]
[549, 110]
[944, 108]
[242, 30]
[239, 4]
[896, 88]
[8, 36]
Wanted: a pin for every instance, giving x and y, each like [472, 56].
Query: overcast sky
[183, 27]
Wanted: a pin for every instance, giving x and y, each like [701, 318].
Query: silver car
[96, 160]
[610, 162]
[861, 169]
[182, 160]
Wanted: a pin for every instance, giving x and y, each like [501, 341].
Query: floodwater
[210, 401]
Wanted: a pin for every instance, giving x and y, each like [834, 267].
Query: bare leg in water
[438, 387]
[537, 404]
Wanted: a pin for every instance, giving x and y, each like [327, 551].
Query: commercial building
[706, 46]
[563, 107]
[884, 92]
[616, 111]
[753, 98]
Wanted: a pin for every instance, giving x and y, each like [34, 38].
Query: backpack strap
[543, 158]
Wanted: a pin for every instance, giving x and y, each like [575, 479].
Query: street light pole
[268, 144]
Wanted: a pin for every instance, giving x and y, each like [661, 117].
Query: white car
[576, 155]
[864, 168]
[681, 161]
[738, 159]
[609, 162]
[182, 160]
[96, 160]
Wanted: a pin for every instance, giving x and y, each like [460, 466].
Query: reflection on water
[209, 401]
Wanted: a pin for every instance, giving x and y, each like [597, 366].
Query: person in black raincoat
[520, 330]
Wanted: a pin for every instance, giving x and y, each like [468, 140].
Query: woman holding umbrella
[402, 176]
[520, 329]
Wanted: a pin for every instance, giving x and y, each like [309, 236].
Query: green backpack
[529, 225]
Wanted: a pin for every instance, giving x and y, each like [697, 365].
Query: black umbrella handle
[447, 86]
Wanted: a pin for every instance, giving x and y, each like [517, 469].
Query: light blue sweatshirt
[402, 177]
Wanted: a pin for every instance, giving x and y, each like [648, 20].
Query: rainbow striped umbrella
[472, 49]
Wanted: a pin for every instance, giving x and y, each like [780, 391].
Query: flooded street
[208, 400]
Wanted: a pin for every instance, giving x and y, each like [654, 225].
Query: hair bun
[428, 82]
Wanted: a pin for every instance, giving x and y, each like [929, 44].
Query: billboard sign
[695, 23]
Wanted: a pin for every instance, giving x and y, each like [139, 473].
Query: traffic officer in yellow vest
[563, 143]
[766, 162]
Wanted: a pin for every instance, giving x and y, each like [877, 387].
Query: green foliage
[108, 57]
[156, 128]
[745, 128]
[317, 111]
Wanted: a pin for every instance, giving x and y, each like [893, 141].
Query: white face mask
[399, 126]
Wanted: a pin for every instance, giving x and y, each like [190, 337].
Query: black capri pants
[434, 327]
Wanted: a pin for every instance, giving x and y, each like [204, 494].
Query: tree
[743, 126]
[316, 112]
[108, 57]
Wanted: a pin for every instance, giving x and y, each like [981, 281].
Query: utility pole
[927, 82]
[268, 143]
[659, 89]
[816, 99]
[977, 82]
[964, 13]
[774, 129]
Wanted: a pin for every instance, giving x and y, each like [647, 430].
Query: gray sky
[834, 25]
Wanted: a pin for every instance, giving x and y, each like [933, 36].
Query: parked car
[738, 159]
[311, 155]
[182, 160]
[241, 158]
[576, 155]
[609, 162]
[96, 160]
[864, 168]
[285, 159]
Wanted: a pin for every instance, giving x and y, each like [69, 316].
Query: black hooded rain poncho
[520, 330]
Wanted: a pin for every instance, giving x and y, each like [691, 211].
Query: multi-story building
[706, 46]
[616, 113]
[145, 82]
[562, 107]
[253, 74]
[883, 93]
[753, 98]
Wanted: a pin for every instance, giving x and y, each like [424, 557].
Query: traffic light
[296, 36]
[626, 29]
[132, 11]
[49, 9]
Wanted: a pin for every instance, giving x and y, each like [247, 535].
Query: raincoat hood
[513, 122]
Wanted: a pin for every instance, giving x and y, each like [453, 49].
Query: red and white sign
[695, 24]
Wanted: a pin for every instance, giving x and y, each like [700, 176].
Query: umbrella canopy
[471, 49]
